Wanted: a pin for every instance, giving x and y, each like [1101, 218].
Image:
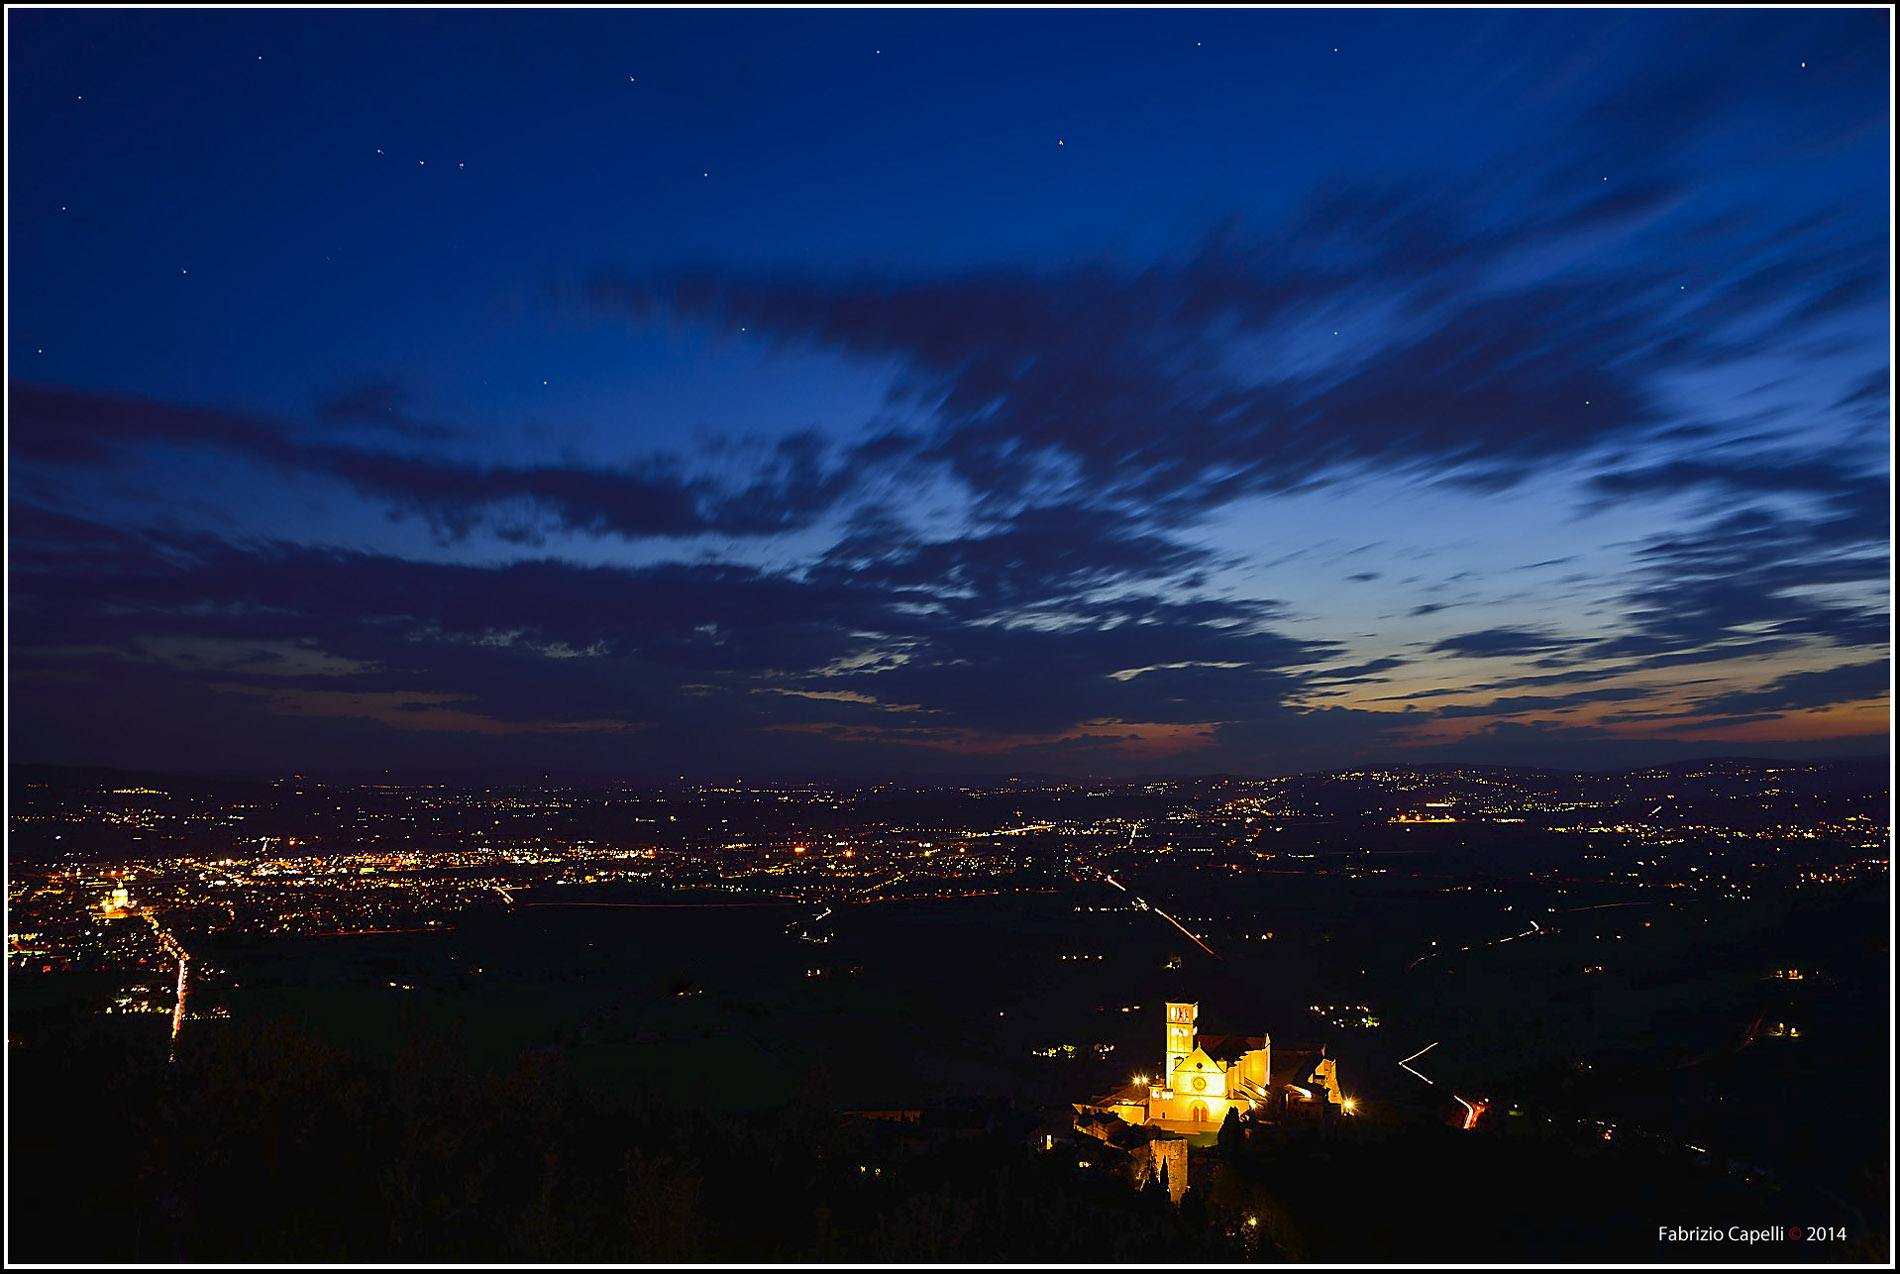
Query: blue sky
[766, 392]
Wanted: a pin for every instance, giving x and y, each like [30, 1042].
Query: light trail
[664, 906]
[372, 933]
[1472, 1111]
[1406, 1064]
[866, 893]
[1184, 929]
[184, 958]
[1531, 932]
[178, 1009]
[1145, 905]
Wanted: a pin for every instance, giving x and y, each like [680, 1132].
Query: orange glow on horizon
[1837, 721]
[413, 710]
[1841, 720]
[1136, 740]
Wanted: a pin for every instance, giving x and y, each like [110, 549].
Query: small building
[1145, 1152]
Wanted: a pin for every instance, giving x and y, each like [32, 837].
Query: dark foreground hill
[266, 1144]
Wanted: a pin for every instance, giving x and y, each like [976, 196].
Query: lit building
[1204, 1075]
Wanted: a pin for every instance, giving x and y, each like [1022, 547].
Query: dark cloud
[1502, 643]
[1871, 394]
[1361, 672]
[1293, 738]
[863, 645]
[385, 405]
[1515, 704]
[794, 485]
[1123, 384]
[1845, 486]
[1847, 683]
[1756, 579]
[1038, 555]
[47, 423]
[1184, 670]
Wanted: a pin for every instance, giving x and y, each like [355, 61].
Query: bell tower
[1180, 1042]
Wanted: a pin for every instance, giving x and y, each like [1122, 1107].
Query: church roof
[1293, 1065]
[1199, 1060]
[1127, 1094]
[1228, 1048]
[1111, 1131]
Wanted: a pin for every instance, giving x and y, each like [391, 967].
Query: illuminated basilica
[1205, 1075]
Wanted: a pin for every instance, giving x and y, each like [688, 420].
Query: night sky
[766, 393]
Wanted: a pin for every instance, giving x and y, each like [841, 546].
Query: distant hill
[93, 778]
[1855, 772]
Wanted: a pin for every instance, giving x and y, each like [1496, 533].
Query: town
[1477, 950]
